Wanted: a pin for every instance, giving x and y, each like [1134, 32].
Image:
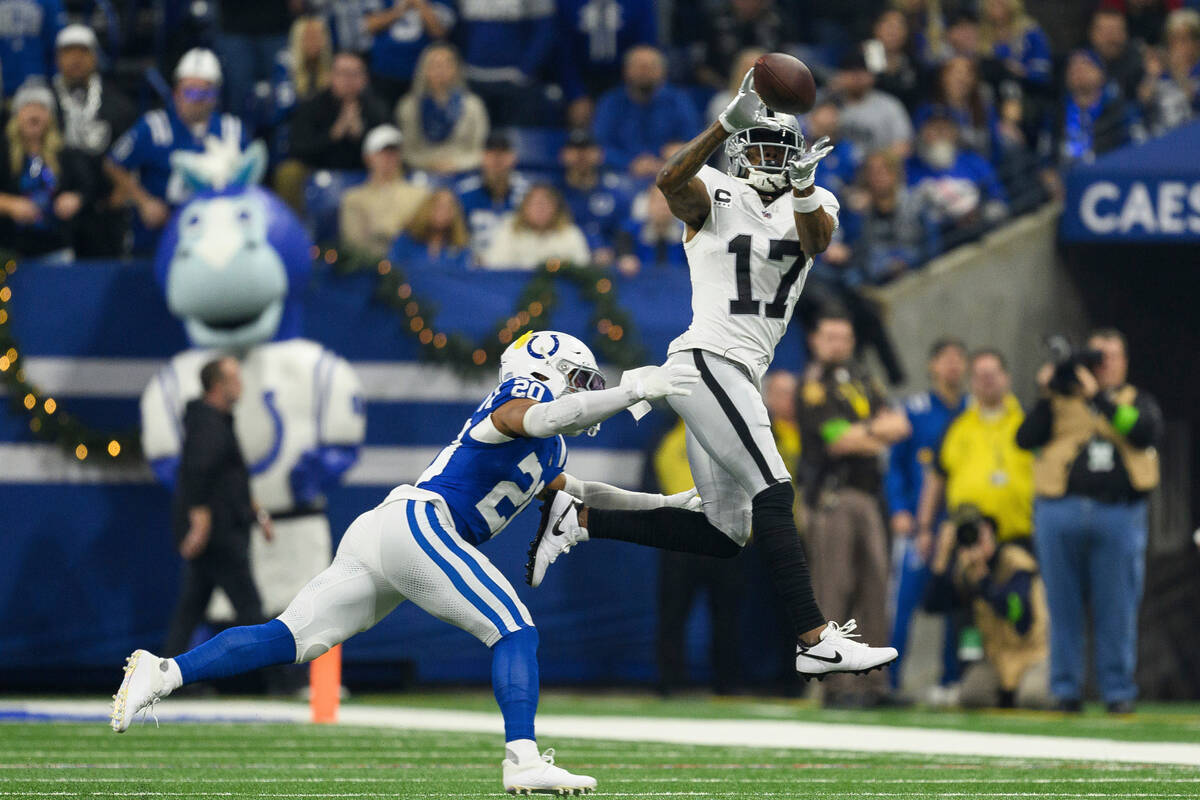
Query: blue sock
[515, 681]
[237, 650]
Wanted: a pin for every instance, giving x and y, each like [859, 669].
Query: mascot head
[234, 259]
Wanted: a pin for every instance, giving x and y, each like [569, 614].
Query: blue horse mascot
[233, 263]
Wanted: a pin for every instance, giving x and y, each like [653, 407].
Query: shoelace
[548, 756]
[844, 631]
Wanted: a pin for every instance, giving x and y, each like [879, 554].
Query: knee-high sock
[515, 682]
[664, 528]
[237, 650]
[775, 532]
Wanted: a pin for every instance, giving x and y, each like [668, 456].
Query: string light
[11, 354]
[3, 316]
[479, 357]
[114, 448]
[384, 267]
[30, 402]
[604, 326]
[416, 324]
[439, 340]
[4, 365]
[404, 291]
[426, 336]
[330, 256]
[535, 309]
[50, 405]
[615, 333]
[505, 336]
[5, 294]
[81, 451]
[35, 425]
[10, 267]
[314, 252]
[603, 285]
[553, 265]
[411, 308]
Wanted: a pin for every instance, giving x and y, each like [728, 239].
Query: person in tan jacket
[539, 230]
[1000, 584]
[444, 124]
[373, 214]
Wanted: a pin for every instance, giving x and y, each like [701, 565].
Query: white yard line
[767, 734]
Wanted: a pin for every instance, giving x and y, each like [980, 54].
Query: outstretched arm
[574, 413]
[813, 225]
[686, 194]
[596, 494]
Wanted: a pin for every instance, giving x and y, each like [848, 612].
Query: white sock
[172, 678]
[522, 751]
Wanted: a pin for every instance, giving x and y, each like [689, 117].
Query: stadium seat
[322, 196]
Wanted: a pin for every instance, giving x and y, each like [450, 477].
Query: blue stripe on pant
[1092, 554]
[455, 578]
[477, 570]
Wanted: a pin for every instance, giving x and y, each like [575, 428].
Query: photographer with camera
[999, 582]
[1096, 462]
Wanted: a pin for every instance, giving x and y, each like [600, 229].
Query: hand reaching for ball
[746, 110]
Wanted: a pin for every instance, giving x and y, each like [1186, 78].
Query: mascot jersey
[486, 477]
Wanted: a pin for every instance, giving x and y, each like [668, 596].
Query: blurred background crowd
[536, 127]
[457, 135]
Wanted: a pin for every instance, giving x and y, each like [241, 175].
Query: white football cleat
[558, 532]
[836, 653]
[144, 685]
[542, 777]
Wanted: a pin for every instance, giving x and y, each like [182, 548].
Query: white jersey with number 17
[747, 271]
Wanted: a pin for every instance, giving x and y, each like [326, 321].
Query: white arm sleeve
[573, 413]
[600, 495]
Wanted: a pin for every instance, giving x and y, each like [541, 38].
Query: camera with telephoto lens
[1066, 360]
[967, 520]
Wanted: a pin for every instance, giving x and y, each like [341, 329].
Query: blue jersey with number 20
[486, 477]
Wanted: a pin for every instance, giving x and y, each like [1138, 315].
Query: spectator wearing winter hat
[139, 164]
[373, 214]
[43, 184]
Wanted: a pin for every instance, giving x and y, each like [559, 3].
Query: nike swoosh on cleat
[826, 659]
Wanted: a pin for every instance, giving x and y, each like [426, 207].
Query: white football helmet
[558, 360]
[769, 175]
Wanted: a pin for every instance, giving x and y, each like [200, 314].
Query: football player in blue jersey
[420, 544]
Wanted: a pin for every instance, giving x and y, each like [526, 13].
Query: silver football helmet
[775, 149]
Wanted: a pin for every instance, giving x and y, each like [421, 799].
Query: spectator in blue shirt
[841, 165]
[598, 199]
[954, 187]
[909, 460]
[1017, 42]
[436, 239]
[27, 32]
[507, 46]
[1094, 118]
[401, 32]
[593, 37]
[633, 122]
[139, 164]
[347, 22]
[492, 193]
[651, 237]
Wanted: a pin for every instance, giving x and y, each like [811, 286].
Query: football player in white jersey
[750, 237]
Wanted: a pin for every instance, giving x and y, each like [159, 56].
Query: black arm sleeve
[1036, 429]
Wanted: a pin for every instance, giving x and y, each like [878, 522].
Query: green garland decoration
[46, 420]
[617, 343]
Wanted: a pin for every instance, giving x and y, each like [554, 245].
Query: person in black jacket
[327, 130]
[212, 511]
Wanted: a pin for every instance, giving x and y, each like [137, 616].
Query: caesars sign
[1166, 209]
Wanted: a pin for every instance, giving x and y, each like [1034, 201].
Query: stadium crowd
[474, 135]
[940, 112]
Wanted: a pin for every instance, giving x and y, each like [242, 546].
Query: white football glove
[655, 383]
[688, 501]
[746, 109]
[802, 169]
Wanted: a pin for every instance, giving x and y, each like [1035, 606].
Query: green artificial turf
[1154, 722]
[193, 760]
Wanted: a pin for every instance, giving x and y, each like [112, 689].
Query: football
[784, 83]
